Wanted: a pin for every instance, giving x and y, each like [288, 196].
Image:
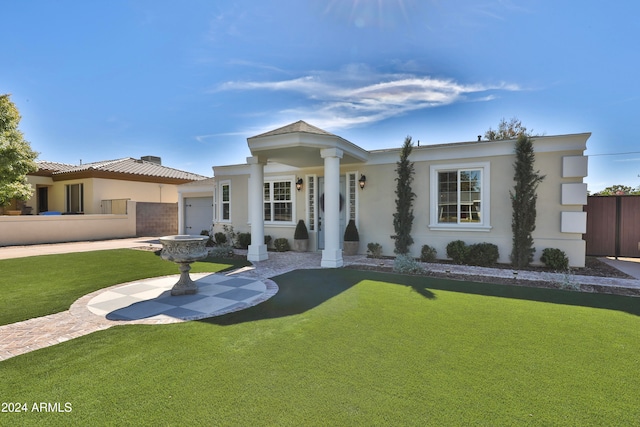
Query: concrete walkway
[9, 252]
[92, 312]
[630, 266]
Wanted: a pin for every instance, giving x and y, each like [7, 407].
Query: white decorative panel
[573, 222]
[574, 166]
[574, 194]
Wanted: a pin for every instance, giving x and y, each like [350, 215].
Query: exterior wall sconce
[299, 184]
[362, 181]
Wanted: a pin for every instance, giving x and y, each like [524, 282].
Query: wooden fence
[613, 226]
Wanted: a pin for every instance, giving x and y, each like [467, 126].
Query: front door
[43, 199]
[343, 210]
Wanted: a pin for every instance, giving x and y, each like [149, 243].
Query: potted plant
[351, 239]
[301, 238]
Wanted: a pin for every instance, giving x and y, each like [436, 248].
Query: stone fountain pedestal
[184, 250]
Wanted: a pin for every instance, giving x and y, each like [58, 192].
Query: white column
[332, 254]
[257, 248]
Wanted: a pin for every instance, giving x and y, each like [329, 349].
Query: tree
[618, 190]
[403, 218]
[17, 159]
[507, 130]
[523, 202]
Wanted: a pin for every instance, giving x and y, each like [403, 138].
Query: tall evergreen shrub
[403, 218]
[523, 202]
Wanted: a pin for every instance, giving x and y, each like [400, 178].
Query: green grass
[344, 347]
[37, 286]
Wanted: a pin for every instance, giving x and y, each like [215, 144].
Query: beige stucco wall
[37, 229]
[377, 205]
[98, 189]
[105, 189]
[376, 202]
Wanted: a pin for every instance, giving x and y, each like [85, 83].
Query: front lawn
[346, 347]
[41, 285]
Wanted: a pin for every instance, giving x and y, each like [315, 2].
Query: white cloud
[356, 96]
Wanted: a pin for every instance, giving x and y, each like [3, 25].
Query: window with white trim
[278, 201]
[225, 201]
[460, 196]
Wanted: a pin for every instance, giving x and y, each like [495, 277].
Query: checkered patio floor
[151, 298]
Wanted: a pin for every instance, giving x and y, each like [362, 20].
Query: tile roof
[44, 165]
[299, 126]
[126, 166]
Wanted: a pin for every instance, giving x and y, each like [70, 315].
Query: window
[352, 193]
[311, 202]
[278, 205]
[460, 196]
[75, 198]
[225, 201]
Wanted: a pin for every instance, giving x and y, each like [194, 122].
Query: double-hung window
[278, 201]
[460, 196]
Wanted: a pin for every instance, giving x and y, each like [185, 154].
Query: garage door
[198, 214]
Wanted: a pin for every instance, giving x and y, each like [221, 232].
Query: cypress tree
[523, 202]
[403, 218]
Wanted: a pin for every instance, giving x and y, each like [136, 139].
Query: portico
[301, 145]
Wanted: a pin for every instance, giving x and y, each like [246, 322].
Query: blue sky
[189, 81]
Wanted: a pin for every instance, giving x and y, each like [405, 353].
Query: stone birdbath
[183, 250]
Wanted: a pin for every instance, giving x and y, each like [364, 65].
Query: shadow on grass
[302, 290]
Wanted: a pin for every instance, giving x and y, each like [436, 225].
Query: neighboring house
[104, 187]
[462, 193]
[117, 199]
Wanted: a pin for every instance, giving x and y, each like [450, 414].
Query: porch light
[362, 181]
[299, 184]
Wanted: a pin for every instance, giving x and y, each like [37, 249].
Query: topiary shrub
[483, 254]
[374, 250]
[281, 244]
[244, 240]
[458, 251]
[351, 232]
[555, 259]
[406, 264]
[301, 231]
[221, 238]
[428, 254]
[267, 240]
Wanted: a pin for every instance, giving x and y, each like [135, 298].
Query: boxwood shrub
[428, 254]
[555, 259]
[458, 251]
[244, 240]
[281, 244]
[483, 254]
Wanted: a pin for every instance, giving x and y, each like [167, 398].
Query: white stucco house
[462, 193]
